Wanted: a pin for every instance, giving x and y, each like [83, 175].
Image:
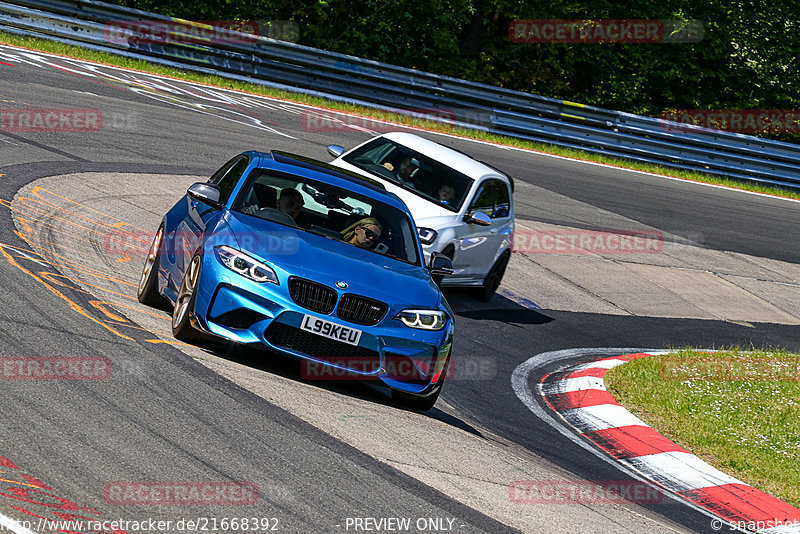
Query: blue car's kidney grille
[311, 295]
[361, 310]
[328, 350]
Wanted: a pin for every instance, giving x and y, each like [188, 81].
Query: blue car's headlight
[423, 319]
[427, 235]
[245, 265]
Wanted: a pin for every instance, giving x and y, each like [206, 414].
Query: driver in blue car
[290, 202]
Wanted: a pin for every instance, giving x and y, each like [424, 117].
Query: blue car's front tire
[421, 404]
[184, 305]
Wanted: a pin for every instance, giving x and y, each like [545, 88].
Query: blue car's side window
[227, 182]
[217, 176]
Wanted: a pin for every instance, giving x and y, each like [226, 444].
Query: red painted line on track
[739, 502]
[580, 399]
[631, 441]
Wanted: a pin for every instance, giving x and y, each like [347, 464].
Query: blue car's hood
[328, 261]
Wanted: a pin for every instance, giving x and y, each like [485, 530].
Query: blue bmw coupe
[311, 261]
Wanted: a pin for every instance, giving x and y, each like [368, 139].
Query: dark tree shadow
[499, 308]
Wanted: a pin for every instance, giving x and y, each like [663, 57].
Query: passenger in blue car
[364, 233]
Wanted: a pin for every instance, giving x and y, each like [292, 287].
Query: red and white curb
[579, 396]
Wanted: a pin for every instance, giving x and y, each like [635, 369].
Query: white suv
[463, 208]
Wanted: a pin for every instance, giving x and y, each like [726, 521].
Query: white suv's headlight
[427, 235]
[423, 319]
[245, 265]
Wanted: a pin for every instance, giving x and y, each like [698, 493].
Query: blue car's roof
[318, 170]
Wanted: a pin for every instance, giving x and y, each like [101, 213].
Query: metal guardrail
[407, 91]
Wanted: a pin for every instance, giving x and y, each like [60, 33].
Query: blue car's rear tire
[147, 292]
[184, 305]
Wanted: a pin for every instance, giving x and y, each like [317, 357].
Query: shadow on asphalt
[499, 308]
[263, 359]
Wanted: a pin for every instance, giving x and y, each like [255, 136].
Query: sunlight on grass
[738, 410]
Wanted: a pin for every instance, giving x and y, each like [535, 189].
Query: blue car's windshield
[329, 211]
[413, 172]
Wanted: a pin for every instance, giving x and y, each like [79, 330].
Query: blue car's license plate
[331, 330]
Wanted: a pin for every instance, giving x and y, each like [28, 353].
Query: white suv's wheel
[493, 278]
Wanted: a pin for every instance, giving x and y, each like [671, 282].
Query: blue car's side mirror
[207, 193]
[439, 267]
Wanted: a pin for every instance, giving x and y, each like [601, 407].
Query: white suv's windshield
[329, 211]
[413, 171]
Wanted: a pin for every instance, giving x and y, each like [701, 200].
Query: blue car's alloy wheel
[184, 304]
[148, 284]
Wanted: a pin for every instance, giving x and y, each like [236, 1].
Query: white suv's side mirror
[335, 150]
[479, 218]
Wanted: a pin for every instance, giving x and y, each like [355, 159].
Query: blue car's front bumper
[235, 308]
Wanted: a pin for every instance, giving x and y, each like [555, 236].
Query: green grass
[737, 410]
[144, 66]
